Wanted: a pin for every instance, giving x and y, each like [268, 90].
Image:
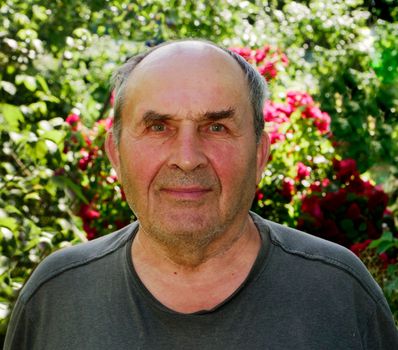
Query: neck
[194, 282]
[184, 256]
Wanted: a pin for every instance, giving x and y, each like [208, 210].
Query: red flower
[87, 213]
[312, 112]
[323, 123]
[259, 195]
[260, 55]
[345, 168]
[268, 70]
[275, 136]
[378, 201]
[83, 162]
[287, 188]
[334, 200]
[372, 230]
[318, 186]
[73, 121]
[91, 232]
[244, 52]
[354, 212]
[358, 248]
[303, 171]
[312, 206]
[384, 259]
[331, 232]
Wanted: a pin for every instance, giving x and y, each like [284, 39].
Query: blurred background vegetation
[56, 59]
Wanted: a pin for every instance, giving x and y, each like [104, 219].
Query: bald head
[183, 57]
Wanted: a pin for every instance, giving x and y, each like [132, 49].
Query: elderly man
[197, 270]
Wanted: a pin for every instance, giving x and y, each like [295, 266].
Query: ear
[263, 150]
[112, 151]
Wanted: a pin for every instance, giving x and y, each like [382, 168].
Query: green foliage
[56, 59]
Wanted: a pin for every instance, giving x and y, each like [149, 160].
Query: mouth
[186, 193]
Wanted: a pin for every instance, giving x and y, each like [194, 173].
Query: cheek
[140, 164]
[234, 167]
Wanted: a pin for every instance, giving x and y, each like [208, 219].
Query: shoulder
[320, 251]
[73, 257]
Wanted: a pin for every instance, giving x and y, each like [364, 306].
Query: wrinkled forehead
[188, 59]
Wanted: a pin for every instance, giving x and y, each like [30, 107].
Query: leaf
[27, 80]
[32, 195]
[8, 87]
[63, 182]
[384, 246]
[43, 84]
[55, 136]
[12, 116]
[10, 223]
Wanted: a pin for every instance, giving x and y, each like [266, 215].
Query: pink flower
[260, 55]
[277, 112]
[303, 171]
[318, 186]
[275, 136]
[298, 99]
[73, 121]
[112, 98]
[323, 123]
[245, 52]
[106, 123]
[259, 195]
[284, 59]
[268, 70]
[312, 112]
[87, 213]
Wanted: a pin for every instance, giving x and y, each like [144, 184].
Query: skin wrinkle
[186, 106]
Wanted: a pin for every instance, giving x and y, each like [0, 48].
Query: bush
[333, 101]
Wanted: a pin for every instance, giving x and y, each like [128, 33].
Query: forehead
[189, 75]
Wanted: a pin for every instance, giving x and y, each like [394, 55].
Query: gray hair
[257, 86]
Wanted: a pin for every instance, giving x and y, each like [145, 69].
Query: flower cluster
[305, 183]
[345, 209]
[268, 59]
[93, 185]
[277, 113]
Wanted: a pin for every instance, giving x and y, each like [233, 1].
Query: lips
[186, 193]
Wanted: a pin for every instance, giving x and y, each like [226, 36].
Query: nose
[187, 151]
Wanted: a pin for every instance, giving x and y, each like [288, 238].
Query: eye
[158, 127]
[217, 127]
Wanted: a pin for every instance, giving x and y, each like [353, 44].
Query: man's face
[187, 158]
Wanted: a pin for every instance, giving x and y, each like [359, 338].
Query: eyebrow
[151, 116]
[217, 115]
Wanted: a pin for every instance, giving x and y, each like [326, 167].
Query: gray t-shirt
[302, 293]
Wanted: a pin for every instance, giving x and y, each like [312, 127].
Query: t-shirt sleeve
[18, 329]
[381, 332]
